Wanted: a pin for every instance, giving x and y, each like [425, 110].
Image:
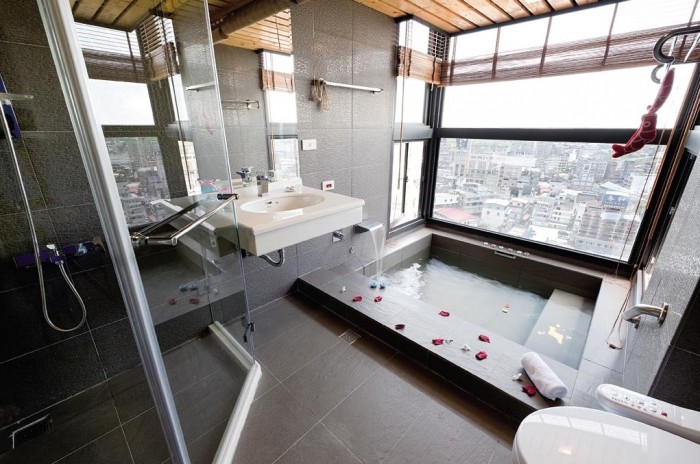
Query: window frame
[639, 257]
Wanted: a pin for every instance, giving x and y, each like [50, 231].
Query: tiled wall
[40, 367]
[340, 41]
[664, 360]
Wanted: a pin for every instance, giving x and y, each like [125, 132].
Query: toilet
[570, 434]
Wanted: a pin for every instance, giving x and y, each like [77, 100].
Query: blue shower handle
[9, 115]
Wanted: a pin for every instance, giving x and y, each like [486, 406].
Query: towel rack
[662, 58]
[248, 104]
[140, 238]
[347, 86]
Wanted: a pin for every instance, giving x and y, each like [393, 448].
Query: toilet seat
[575, 435]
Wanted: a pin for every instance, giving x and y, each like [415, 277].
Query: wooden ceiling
[275, 32]
[463, 15]
[127, 14]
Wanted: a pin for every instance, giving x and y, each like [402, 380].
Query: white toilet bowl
[588, 436]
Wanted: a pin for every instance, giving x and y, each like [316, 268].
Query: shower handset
[10, 129]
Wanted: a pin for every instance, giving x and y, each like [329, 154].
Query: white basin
[267, 224]
[288, 202]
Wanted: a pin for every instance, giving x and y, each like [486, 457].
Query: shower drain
[349, 336]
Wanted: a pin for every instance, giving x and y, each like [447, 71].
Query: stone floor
[324, 400]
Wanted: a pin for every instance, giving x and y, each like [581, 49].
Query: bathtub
[490, 379]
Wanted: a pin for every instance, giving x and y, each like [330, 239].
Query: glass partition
[155, 93]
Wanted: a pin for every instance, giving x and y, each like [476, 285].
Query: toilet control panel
[666, 416]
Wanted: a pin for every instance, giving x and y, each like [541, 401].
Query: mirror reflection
[255, 67]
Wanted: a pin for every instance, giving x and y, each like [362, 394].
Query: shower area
[124, 324]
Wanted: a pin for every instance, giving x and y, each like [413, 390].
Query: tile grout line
[413, 422]
[257, 347]
[320, 421]
[312, 360]
[341, 442]
[87, 444]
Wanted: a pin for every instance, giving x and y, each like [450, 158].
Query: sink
[265, 225]
[284, 219]
[285, 203]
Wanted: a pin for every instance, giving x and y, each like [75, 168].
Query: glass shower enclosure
[145, 108]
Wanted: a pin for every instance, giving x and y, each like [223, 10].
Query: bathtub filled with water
[501, 297]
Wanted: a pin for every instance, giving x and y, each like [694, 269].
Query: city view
[571, 195]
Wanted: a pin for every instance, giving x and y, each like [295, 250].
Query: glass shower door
[153, 89]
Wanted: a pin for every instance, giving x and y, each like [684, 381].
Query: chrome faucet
[263, 185]
[634, 314]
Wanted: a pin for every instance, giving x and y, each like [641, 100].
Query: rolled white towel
[547, 382]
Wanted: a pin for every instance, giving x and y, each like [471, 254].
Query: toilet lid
[582, 436]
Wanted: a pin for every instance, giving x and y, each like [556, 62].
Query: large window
[570, 195]
[529, 114]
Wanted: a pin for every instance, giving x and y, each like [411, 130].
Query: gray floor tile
[372, 420]
[501, 455]
[291, 351]
[276, 420]
[266, 383]
[481, 415]
[319, 446]
[203, 449]
[145, 437]
[328, 379]
[276, 318]
[440, 435]
[68, 433]
[108, 449]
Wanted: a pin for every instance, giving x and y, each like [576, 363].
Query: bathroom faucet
[634, 314]
[263, 185]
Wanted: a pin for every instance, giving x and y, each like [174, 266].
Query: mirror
[255, 67]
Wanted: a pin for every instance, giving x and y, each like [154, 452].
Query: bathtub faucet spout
[634, 314]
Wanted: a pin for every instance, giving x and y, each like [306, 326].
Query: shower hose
[57, 259]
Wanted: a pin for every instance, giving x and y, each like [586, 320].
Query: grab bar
[661, 57]
[139, 239]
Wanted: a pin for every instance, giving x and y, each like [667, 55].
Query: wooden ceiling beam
[489, 9]
[513, 8]
[382, 8]
[537, 7]
[469, 12]
[561, 4]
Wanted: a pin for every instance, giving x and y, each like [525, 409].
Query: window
[421, 52]
[569, 195]
[280, 103]
[406, 182]
[524, 150]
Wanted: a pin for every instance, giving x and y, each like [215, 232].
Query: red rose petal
[484, 338]
[194, 300]
[399, 326]
[444, 313]
[438, 341]
[481, 355]
[530, 390]
[171, 301]
[356, 298]
[377, 299]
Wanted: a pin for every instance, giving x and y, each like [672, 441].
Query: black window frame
[672, 138]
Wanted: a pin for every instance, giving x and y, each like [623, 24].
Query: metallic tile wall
[340, 41]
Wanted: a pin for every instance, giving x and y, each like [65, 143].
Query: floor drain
[349, 336]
